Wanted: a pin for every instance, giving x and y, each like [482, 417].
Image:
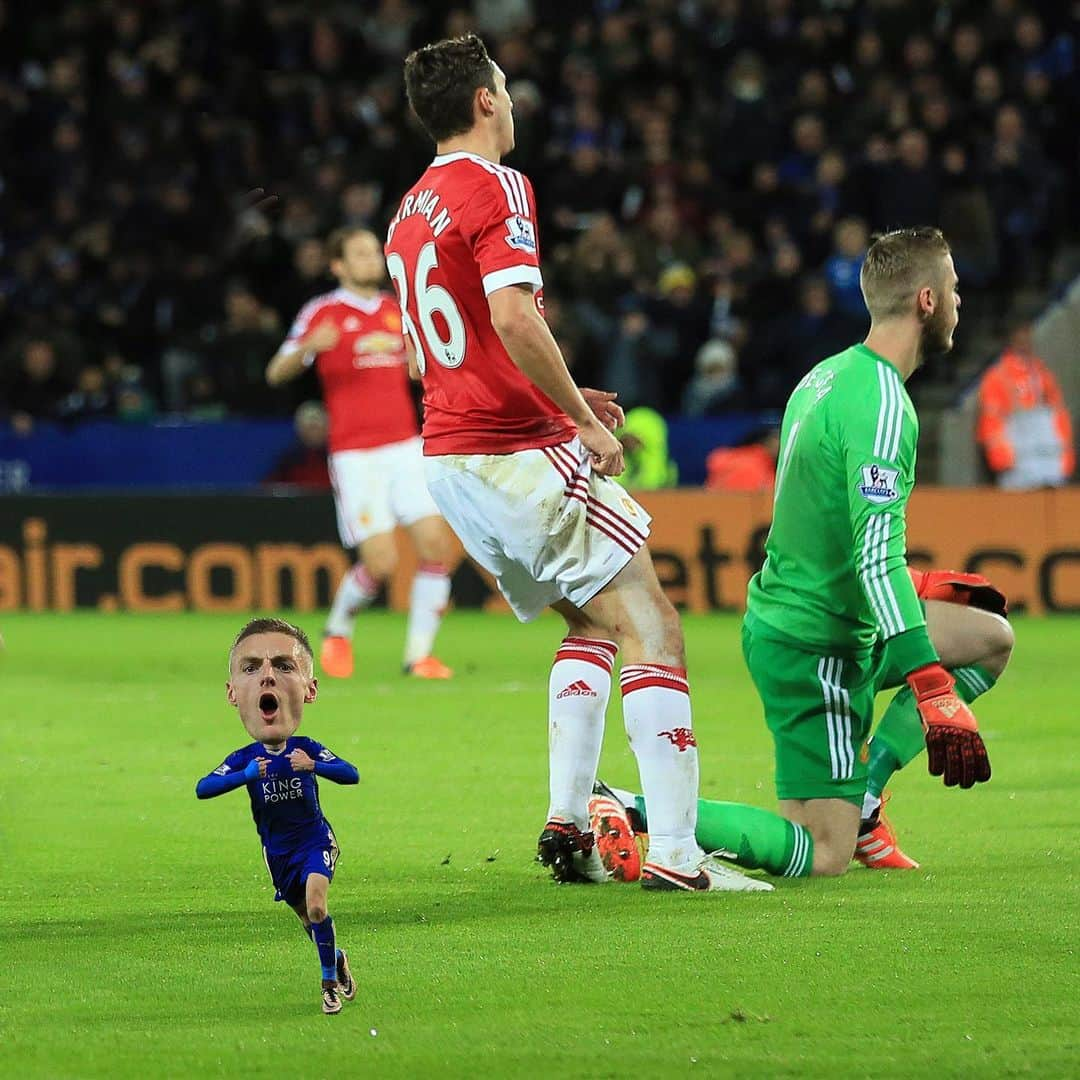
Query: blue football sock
[323, 935]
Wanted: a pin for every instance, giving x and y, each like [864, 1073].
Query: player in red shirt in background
[353, 337]
[519, 461]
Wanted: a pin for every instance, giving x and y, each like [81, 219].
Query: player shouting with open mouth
[270, 682]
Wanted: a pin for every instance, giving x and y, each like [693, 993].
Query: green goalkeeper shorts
[819, 709]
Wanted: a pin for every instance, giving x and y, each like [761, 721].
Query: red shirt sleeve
[500, 226]
[304, 322]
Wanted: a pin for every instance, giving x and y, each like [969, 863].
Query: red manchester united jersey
[464, 229]
[365, 379]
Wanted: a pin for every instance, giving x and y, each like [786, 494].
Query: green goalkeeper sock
[899, 736]
[754, 838]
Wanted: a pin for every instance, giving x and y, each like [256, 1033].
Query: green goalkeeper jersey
[835, 574]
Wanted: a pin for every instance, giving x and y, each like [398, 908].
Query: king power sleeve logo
[878, 484]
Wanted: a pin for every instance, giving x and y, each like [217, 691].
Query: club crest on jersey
[521, 235]
[879, 485]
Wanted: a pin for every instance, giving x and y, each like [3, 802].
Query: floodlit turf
[138, 936]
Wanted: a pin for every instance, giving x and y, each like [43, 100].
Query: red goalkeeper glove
[954, 748]
[954, 588]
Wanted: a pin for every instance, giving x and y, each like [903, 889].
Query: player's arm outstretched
[880, 441]
[316, 758]
[226, 777]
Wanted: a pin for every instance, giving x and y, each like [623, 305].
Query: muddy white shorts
[541, 521]
[376, 489]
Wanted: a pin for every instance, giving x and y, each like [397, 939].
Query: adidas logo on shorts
[577, 689]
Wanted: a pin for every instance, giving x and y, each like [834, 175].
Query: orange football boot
[429, 667]
[878, 848]
[616, 841]
[336, 657]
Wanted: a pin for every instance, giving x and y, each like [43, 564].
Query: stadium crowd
[708, 174]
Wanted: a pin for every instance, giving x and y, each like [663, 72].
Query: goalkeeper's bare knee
[830, 861]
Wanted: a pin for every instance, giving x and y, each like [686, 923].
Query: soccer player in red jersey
[519, 462]
[353, 336]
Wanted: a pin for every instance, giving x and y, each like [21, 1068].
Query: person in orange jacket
[751, 467]
[1024, 427]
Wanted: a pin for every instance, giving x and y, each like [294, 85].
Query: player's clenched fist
[300, 761]
[324, 336]
[256, 768]
[954, 747]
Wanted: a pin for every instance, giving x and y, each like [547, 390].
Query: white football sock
[427, 604]
[870, 804]
[656, 710]
[578, 692]
[357, 589]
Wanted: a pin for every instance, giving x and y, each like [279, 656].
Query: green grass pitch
[138, 936]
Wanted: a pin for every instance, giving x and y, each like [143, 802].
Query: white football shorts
[541, 521]
[376, 489]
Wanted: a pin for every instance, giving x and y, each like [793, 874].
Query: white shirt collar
[361, 303]
[460, 155]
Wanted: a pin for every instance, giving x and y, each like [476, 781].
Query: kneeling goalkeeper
[834, 615]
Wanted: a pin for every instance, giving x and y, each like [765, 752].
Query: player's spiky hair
[336, 241]
[272, 626]
[899, 264]
[441, 81]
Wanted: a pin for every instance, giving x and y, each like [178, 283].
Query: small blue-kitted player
[270, 681]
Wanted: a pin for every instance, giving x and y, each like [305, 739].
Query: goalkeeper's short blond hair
[899, 264]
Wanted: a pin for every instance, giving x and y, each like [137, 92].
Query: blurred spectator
[750, 467]
[310, 276]
[644, 438]
[715, 386]
[797, 340]
[727, 138]
[909, 192]
[35, 385]
[663, 242]
[134, 402]
[798, 167]
[1018, 187]
[239, 351]
[682, 318]
[305, 464]
[584, 188]
[90, 399]
[200, 398]
[637, 355]
[1024, 427]
[359, 206]
[972, 228]
[843, 266]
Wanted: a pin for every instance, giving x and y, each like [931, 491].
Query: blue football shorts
[289, 872]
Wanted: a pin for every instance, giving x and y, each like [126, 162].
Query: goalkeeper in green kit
[834, 616]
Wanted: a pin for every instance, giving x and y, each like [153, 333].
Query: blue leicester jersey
[284, 804]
